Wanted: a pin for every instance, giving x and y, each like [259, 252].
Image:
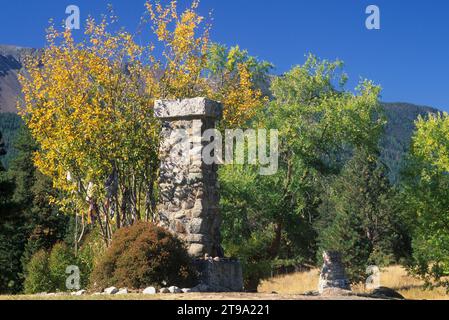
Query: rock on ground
[79, 293]
[111, 290]
[174, 289]
[123, 291]
[149, 290]
[384, 292]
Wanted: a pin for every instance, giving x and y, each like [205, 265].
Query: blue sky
[408, 57]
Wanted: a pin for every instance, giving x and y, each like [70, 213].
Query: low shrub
[144, 255]
[61, 257]
[38, 277]
[89, 255]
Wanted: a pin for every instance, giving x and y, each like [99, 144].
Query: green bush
[254, 257]
[89, 255]
[38, 274]
[143, 255]
[60, 258]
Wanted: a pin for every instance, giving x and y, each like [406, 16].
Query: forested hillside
[398, 133]
[9, 127]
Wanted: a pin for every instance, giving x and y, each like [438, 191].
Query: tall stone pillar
[189, 198]
[333, 275]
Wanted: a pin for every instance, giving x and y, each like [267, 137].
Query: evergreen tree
[45, 225]
[2, 149]
[359, 217]
[29, 222]
[10, 236]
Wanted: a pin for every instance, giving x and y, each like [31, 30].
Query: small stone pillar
[333, 275]
[189, 199]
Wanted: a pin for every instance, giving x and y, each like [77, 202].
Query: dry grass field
[186, 297]
[393, 277]
[289, 287]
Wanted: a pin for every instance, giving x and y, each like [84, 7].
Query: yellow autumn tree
[192, 65]
[89, 105]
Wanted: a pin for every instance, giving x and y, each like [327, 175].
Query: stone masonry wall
[189, 198]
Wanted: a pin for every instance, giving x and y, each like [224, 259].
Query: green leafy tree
[426, 197]
[319, 122]
[359, 217]
[223, 62]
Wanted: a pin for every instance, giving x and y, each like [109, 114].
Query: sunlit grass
[395, 277]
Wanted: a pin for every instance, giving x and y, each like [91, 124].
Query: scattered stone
[111, 290]
[206, 256]
[186, 290]
[149, 290]
[217, 259]
[311, 293]
[164, 290]
[123, 291]
[195, 249]
[384, 292]
[174, 290]
[79, 293]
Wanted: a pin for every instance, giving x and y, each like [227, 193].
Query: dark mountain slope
[11, 62]
[398, 133]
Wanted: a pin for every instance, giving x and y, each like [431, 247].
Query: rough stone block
[223, 275]
[188, 108]
[333, 275]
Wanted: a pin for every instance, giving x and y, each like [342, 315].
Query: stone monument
[188, 197]
[333, 275]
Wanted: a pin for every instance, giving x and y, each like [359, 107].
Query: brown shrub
[144, 255]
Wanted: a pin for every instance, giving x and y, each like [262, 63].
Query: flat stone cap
[194, 108]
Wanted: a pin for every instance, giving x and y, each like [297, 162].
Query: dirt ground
[186, 297]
